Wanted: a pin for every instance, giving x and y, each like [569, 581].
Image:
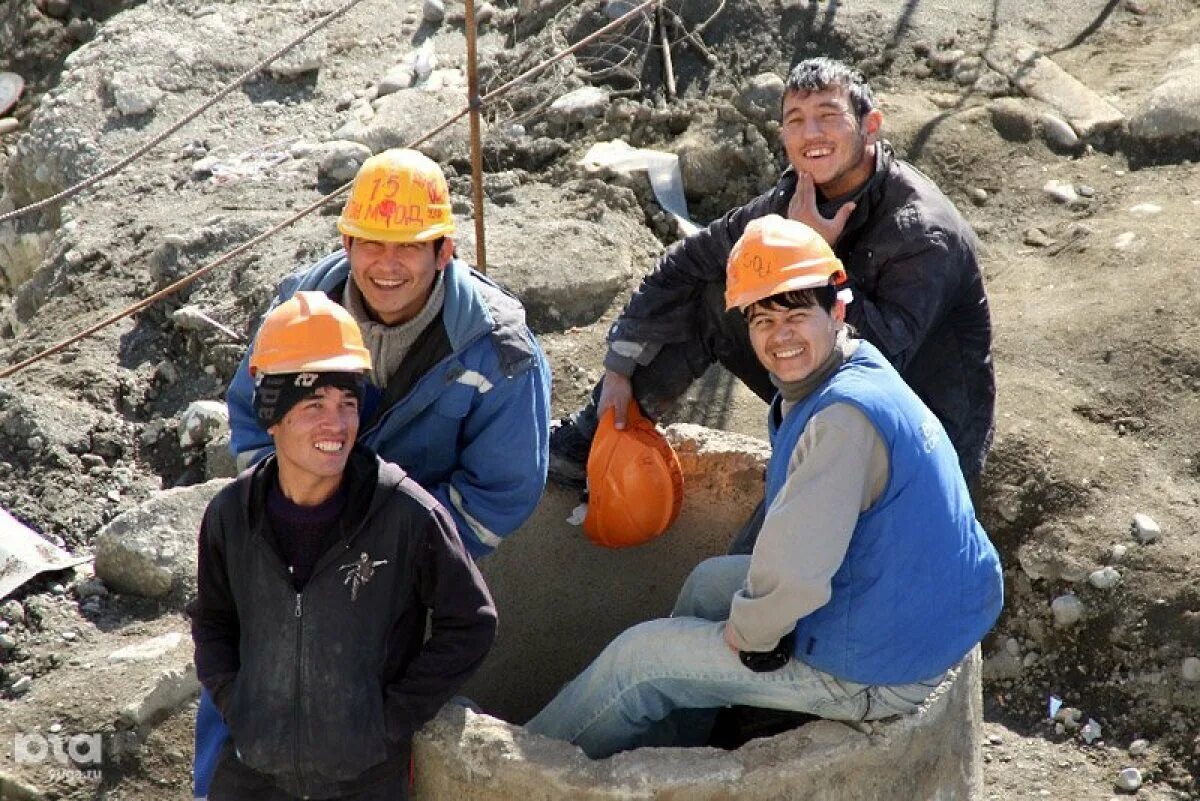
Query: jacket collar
[867, 197]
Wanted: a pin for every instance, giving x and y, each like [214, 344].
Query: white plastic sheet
[662, 168]
[24, 554]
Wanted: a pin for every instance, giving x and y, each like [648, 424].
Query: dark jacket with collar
[918, 292]
[324, 688]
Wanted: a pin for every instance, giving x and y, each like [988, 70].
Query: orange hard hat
[399, 195]
[309, 333]
[635, 484]
[776, 255]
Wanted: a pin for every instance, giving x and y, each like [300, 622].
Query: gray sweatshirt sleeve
[839, 469]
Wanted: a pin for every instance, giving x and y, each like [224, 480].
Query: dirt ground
[1093, 305]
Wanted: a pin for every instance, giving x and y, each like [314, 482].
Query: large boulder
[151, 549]
[1166, 126]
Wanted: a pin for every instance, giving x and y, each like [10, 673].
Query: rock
[485, 14]
[1117, 553]
[1130, 779]
[433, 11]
[11, 87]
[1125, 241]
[1145, 529]
[218, 459]
[979, 196]
[202, 421]
[148, 650]
[966, 70]
[168, 691]
[1060, 191]
[1039, 77]
[1172, 109]
[90, 588]
[1139, 747]
[1067, 610]
[14, 789]
[1013, 119]
[1104, 578]
[134, 92]
[340, 160]
[402, 117]
[81, 30]
[8, 125]
[12, 612]
[306, 57]
[151, 549]
[943, 61]
[707, 159]
[22, 685]
[1191, 669]
[581, 104]
[615, 9]
[1037, 238]
[991, 83]
[59, 9]
[1057, 133]
[1085, 190]
[7, 642]
[1145, 209]
[397, 78]
[556, 294]
[762, 96]
[1002, 666]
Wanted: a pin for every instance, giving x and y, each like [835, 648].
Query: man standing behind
[459, 391]
[910, 256]
[317, 571]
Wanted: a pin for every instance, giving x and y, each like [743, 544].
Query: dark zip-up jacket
[324, 688]
[918, 292]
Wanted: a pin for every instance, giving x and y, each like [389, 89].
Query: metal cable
[154, 141]
[309, 209]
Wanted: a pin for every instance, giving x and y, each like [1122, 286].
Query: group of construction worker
[392, 419]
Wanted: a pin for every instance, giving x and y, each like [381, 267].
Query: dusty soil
[1095, 341]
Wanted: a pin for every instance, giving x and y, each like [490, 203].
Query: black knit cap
[276, 393]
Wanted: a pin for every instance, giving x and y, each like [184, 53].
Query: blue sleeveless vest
[920, 584]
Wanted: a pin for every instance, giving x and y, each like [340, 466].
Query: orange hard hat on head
[776, 255]
[309, 333]
[635, 484]
[399, 195]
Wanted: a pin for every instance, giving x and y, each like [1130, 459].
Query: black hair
[818, 74]
[822, 296]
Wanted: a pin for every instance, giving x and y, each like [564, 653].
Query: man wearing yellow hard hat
[459, 390]
[317, 572]
[870, 578]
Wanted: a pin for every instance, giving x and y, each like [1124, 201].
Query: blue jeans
[661, 682]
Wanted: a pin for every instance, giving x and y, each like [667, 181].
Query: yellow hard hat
[398, 195]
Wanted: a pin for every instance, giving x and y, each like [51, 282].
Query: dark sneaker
[568, 454]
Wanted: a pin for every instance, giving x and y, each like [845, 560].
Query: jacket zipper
[299, 692]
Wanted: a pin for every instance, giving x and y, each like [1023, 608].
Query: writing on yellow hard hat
[398, 195]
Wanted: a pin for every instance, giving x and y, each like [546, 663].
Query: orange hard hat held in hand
[635, 484]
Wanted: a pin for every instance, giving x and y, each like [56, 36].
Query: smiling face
[395, 277]
[822, 136]
[313, 442]
[792, 343]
